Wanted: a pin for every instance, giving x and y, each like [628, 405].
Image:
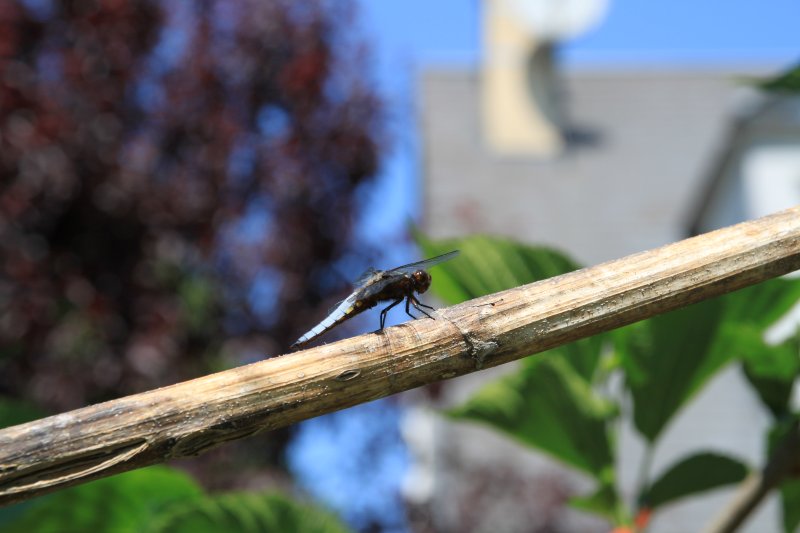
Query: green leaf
[247, 512]
[488, 265]
[124, 503]
[762, 304]
[160, 499]
[694, 474]
[788, 81]
[667, 359]
[603, 502]
[13, 412]
[790, 503]
[548, 405]
[771, 370]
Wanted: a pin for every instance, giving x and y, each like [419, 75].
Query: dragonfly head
[422, 280]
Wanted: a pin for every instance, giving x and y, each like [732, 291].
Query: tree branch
[191, 417]
[759, 483]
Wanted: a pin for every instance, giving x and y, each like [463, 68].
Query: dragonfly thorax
[422, 280]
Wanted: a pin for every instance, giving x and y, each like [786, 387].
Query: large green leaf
[771, 370]
[584, 355]
[761, 305]
[667, 359]
[548, 405]
[488, 265]
[247, 512]
[159, 500]
[694, 474]
[788, 81]
[124, 503]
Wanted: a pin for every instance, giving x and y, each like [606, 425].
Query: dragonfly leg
[383, 313]
[418, 306]
[408, 312]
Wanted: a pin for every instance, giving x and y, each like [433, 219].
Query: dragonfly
[375, 286]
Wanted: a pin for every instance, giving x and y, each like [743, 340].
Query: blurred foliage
[248, 511]
[160, 499]
[780, 436]
[786, 82]
[693, 475]
[125, 502]
[790, 505]
[770, 369]
[562, 402]
[475, 272]
[13, 412]
[565, 418]
[171, 175]
[667, 359]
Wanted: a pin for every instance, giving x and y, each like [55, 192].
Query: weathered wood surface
[191, 417]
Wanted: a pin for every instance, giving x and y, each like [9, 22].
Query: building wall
[639, 145]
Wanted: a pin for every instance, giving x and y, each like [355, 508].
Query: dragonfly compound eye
[422, 280]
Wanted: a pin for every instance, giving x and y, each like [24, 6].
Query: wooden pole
[188, 418]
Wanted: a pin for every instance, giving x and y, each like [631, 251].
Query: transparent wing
[363, 285]
[373, 281]
[377, 284]
[424, 264]
[351, 299]
[365, 277]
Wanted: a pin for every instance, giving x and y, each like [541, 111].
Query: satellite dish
[556, 20]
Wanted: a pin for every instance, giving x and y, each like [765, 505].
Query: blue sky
[419, 32]
[680, 32]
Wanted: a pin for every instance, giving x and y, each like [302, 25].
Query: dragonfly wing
[424, 264]
[382, 278]
[365, 277]
[378, 283]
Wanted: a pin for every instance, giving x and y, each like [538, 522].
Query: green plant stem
[758, 484]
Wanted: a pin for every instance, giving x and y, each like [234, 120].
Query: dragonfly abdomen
[345, 311]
